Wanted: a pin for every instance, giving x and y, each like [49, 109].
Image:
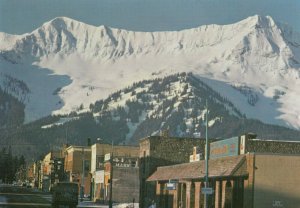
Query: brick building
[158, 151]
[125, 167]
[259, 174]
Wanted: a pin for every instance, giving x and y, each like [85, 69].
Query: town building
[31, 174]
[124, 170]
[77, 167]
[243, 172]
[44, 168]
[156, 151]
[57, 171]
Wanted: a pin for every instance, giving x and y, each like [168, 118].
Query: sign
[170, 186]
[107, 168]
[277, 203]
[99, 176]
[107, 157]
[207, 190]
[224, 148]
[196, 156]
[242, 144]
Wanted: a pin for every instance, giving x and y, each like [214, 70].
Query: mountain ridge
[79, 55]
[67, 29]
[176, 103]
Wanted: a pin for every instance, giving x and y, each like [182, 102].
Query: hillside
[176, 103]
[11, 110]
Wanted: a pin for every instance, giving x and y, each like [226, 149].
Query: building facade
[243, 172]
[276, 180]
[77, 166]
[182, 185]
[120, 162]
[156, 151]
[45, 167]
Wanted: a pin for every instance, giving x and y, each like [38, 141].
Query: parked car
[65, 193]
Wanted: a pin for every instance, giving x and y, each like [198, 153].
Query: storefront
[182, 185]
[244, 172]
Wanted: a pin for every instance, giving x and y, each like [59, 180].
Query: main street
[19, 197]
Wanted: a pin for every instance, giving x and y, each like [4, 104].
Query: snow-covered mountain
[67, 65]
[176, 103]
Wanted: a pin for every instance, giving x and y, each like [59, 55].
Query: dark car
[65, 193]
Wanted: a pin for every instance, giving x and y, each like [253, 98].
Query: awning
[218, 168]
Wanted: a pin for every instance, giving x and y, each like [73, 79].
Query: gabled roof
[220, 167]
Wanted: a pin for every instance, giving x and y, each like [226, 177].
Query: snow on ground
[121, 205]
[116, 77]
[43, 84]
[265, 110]
[61, 121]
[127, 205]
[133, 126]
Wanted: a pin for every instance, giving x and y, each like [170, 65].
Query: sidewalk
[91, 204]
[94, 204]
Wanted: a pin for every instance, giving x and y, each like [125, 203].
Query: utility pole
[111, 174]
[206, 156]
[82, 178]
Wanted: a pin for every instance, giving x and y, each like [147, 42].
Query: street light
[93, 194]
[206, 156]
[111, 174]
[83, 168]
[82, 178]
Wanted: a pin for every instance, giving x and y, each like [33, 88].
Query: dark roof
[220, 167]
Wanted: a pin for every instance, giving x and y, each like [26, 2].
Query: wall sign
[99, 176]
[224, 148]
[243, 144]
[170, 186]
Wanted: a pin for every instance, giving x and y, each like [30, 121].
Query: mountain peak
[266, 21]
[61, 19]
[70, 25]
[61, 22]
[259, 21]
[239, 52]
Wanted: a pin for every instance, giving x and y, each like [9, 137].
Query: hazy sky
[20, 16]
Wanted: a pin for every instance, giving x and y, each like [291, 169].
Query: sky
[22, 16]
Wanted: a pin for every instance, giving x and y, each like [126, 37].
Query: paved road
[17, 197]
